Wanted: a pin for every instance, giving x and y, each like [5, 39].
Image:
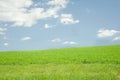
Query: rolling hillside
[87, 63]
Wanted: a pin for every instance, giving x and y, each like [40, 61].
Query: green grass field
[88, 63]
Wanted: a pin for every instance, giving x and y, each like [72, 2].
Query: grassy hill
[88, 63]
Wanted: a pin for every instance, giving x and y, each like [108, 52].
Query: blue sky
[48, 24]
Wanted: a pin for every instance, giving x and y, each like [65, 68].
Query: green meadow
[85, 63]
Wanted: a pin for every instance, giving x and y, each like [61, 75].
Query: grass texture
[86, 63]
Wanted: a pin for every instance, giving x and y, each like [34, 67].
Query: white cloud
[2, 31]
[26, 38]
[20, 12]
[38, 4]
[56, 16]
[47, 26]
[6, 44]
[56, 40]
[70, 42]
[106, 33]
[60, 3]
[116, 39]
[68, 19]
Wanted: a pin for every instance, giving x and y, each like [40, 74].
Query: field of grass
[88, 63]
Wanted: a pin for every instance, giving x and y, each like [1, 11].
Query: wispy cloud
[116, 39]
[47, 26]
[88, 10]
[59, 3]
[56, 40]
[106, 33]
[26, 38]
[70, 42]
[6, 44]
[5, 38]
[68, 19]
[2, 31]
